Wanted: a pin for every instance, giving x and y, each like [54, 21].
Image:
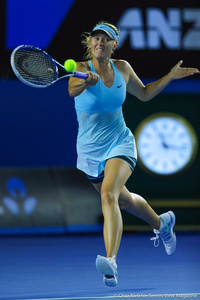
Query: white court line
[188, 296]
[74, 298]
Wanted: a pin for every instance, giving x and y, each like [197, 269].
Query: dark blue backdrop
[38, 127]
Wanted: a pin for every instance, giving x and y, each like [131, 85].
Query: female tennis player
[106, 147]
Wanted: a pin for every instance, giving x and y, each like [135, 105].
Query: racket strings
[35, 67]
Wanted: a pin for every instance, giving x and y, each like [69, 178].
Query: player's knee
[123, 204]
[107, 197]
[128, 201]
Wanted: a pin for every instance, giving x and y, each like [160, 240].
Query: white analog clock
[166, 143]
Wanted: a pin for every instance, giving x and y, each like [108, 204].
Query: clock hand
[169, 146]
[165, 144]
[162, 138]
[175, 147]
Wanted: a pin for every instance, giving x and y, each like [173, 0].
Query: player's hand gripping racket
[36, 68]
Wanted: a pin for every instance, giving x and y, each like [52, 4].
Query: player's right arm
[77, 86]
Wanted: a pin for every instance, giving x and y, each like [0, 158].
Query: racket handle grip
[80, 75]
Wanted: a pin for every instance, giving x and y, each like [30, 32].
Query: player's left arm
[146, 93]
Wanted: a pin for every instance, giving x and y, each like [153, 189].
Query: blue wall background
[38, 126]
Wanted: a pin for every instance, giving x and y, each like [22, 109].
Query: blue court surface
[63, 267]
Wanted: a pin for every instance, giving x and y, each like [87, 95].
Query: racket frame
[56, 65]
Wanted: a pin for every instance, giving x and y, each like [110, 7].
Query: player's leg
[162, 225]
[138, 206]
[130, 202]
[116, 173]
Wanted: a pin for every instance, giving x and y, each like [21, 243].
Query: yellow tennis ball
[70, 65]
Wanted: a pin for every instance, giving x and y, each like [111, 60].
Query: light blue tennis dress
[102, 132]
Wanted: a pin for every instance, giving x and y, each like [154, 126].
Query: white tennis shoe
[167, 234]
[107, 267]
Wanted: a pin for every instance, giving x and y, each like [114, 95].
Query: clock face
[166, 143]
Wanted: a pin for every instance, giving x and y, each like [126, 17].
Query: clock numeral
[174, 128]
[145, 145]
[174, 162]
[165, 165]
[148, 155]
[154, 127]
[147, 135]
[155, 162]
[184, 146]
[182, 135]
[165, 126]
[181, 155]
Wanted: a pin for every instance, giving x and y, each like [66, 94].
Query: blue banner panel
[34, 22]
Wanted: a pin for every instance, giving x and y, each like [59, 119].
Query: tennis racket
[36, 68]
